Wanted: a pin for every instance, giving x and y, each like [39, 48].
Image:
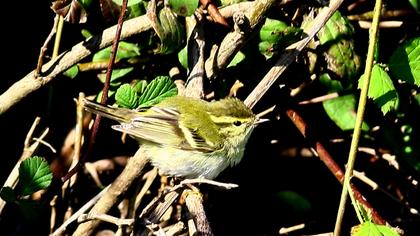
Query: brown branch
[64, 61]
[325, 157]
[194, 202]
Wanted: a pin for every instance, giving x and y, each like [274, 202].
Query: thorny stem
[359, 117]
[104, 91]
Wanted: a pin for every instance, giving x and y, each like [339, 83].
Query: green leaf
[240, 56]
[330, 84]
[72, 72]
[158, 89]
[404, 63]
[415, 4]
[381, 90]
[371, 229]
[127, 97]
[272, 30]
[34, 174]
[8, 194]
[183, 7]
[116, 75]
[336, 41]
[342, 110]
[125, 50]
[293, 200]
[140, 86]
[99, 96]
[183, 57]
[336, 28]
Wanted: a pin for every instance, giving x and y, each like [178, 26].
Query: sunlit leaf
[382, 90]
[127, 97]
[158, 89]
[404, 63]
[342, 110]
[72, 72]
[34, 174]
[240, 56]
[371, 229]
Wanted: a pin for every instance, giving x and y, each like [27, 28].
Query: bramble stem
[359, 117]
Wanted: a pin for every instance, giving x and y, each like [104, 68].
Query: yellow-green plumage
[187, 137]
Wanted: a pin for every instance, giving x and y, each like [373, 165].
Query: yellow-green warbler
[187, 137]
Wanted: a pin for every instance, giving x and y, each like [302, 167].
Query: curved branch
[50, 70]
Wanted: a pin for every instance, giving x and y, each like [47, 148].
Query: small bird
[187, 137]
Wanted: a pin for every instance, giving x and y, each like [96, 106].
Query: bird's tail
[121, 115]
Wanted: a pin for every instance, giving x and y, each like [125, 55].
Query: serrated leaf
[404, 63]
[183, 7]
[381, 90]
[72, 72]
[371, 229]
[158, 89]
[34, 174]
[342, 110]
[8, 194]
[127, 97]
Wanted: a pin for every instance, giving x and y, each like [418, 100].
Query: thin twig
[287, 230]
[359, 117]
[44, 47]
[106, 218]
[65, 60]
[60, 230]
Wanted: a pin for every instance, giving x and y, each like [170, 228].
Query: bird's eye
[237, 123]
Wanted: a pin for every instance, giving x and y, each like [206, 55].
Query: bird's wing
[162, 126]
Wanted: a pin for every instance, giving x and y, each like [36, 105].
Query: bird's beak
[260, 120]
